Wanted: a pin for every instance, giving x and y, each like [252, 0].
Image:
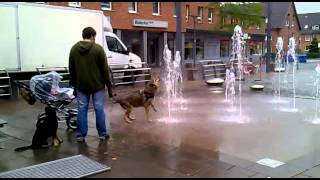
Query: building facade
[145, 27]
[284, 23]
[310, 24]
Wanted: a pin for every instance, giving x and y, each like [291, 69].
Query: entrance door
[153, 52]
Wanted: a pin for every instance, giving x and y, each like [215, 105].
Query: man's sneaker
[102, 138]
[80, 139]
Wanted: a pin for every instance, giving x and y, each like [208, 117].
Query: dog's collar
[146, 94]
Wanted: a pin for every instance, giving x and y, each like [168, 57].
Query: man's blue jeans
[82, 118]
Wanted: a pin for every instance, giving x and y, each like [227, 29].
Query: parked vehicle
[39, 35]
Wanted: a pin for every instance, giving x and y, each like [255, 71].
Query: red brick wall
[286, 32]
[122, 19]
[205, 25]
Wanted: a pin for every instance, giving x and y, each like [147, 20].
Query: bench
[2, 122]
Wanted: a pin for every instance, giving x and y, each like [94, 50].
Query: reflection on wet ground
[205, 138]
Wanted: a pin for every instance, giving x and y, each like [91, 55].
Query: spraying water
[317, 81]
[237, 50]
[279, 47]
[279, 69]
[230, 87]
[237, 53]
[172, 78]
[315, 119]
[291, 51]
[167, 77]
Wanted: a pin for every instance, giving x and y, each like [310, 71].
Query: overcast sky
[307, 7]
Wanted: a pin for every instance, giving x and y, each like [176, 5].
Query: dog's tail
[23, 148]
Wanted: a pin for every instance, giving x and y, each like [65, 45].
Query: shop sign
[150, 23]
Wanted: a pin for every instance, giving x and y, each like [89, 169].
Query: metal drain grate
[72, 167]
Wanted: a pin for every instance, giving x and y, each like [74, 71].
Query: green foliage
[313, 47]
[311, 55]
[244, 14]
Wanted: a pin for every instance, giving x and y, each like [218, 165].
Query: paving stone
[314, 172]
[283, 171]
[307, 161]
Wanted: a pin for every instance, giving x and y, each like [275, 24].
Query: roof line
[295, 11]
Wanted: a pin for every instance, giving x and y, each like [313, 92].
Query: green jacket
[89, 71]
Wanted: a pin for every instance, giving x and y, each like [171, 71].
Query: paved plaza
[204, 138]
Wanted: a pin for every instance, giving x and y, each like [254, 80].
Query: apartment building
[310, 23]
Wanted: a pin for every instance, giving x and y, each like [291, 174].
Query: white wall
[47, 34]
[8, 38]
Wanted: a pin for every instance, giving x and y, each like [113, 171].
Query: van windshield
[114, 45]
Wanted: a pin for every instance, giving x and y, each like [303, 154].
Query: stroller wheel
[72, 122]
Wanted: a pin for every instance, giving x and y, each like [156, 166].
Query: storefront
[148, 44]
[209, 45]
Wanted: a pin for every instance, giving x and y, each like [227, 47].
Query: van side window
[114, 45]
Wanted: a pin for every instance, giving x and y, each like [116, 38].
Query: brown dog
[142, 98]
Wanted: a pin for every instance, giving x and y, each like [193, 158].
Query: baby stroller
[45, 88]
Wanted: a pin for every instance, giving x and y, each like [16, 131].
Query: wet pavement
[206, 138]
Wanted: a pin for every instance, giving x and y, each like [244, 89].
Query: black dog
[47, 126]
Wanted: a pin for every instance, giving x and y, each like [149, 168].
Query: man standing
[88, 75]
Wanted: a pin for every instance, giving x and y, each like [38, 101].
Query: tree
[238, 13]
[313, 47]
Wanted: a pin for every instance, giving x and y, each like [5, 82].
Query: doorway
[153, 52]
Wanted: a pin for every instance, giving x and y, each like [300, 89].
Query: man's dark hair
[88, 32]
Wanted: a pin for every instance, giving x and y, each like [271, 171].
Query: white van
[117, 53]
[38, 35]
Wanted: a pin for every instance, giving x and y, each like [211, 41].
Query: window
[132, 8]
[187, 13]
[266, 38]
[74, 4]
[315, 27]
[200, 11]
[292, 23]
[106, 6]
[189, 50]
[114, 45]
[224, 48]
[232, 21]
[156, 8]
[307, 38]
[210, 15]
[287, 20]
[200, 49]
